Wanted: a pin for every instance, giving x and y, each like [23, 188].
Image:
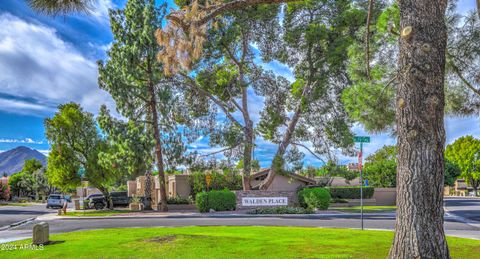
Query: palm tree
[60, 7]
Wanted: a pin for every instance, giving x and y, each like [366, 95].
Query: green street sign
[364, 139]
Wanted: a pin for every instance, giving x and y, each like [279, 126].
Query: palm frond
[60, 7]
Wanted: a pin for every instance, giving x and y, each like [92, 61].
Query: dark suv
[118, 199]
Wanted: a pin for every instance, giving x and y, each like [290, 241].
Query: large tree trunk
[162, 203]
[420, 100]
[249, 138]
[277, 161]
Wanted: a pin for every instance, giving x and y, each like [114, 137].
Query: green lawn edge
[225, 242]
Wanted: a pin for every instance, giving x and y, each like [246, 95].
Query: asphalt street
[13, 214]
[459, 221]
[468, 208]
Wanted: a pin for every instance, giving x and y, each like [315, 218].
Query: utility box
[41, 234]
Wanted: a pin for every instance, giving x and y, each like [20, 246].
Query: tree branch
[311, 152]
[460, 75]
[367, 39]
[222, 106]
[220, 151]
[236, 5]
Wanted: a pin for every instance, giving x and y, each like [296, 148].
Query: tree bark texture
[162, 201]
[420, 103]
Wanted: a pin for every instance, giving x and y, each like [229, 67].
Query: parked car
[120, 198]
[55, 201]
[96, 201]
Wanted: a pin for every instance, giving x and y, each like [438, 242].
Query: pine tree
[134, 77]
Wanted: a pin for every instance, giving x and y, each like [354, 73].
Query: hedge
[351, 192]
[314, 198]
[216, 200]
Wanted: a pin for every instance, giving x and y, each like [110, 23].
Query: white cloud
[45, 152]
[24, 141]
[100, 10]
[40, 70]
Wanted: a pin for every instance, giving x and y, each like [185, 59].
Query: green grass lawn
[226, 242]
[96, 213]
[366, 209]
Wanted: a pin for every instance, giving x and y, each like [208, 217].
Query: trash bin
[77, 204]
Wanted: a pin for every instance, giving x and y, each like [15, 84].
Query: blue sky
[45, 62]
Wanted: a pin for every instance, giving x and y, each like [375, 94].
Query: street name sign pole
[361, 140]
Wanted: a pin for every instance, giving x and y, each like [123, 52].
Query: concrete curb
[16, 224]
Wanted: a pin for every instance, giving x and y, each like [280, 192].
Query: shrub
[314, 198]
[219, 181]
[281, 210]
[4, 192]
[179, 200]
[351, 192]
[216, 200]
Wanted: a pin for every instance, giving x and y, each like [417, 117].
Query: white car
[55, 201]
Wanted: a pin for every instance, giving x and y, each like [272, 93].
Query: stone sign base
[261, 199]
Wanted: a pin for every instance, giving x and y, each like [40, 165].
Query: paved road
[454, 223]
[452, 226]
[468, 208]
[12, 214]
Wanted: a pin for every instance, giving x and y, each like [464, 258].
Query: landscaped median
[224, 242]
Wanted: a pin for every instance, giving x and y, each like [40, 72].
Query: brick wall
[291, 195]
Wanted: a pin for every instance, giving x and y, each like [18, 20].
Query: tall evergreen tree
[130, 143]
[134, 77]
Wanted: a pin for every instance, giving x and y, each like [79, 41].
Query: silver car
[55, 201]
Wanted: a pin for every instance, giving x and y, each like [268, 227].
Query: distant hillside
[12, 161]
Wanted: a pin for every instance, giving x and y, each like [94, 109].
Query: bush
[351, 192]
[219, 181]
[216, 200]
[179, 200]
[314, 198]
[281, 210]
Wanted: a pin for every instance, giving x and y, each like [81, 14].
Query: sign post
[208, 180]
[361, 140]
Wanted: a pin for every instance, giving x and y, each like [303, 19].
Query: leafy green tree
[465, 153]
[76, 145]
[37, 178]
[131, 146]
[381, 167]
[316, 36]
[452, 172]
[225, 78]
[30, 181]
[134, 77]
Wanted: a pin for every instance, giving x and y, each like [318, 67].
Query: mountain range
[12, 161]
